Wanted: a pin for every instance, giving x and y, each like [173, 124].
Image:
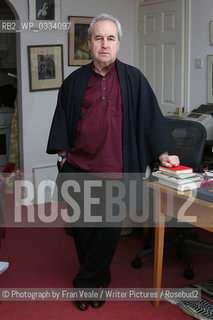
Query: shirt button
[103, 78]
[103, 98]
[104, 88]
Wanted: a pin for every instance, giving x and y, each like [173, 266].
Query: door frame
[19, 88]
[186, 43]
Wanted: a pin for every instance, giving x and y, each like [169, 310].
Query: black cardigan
[145, 133]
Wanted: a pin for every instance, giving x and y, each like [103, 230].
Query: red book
[176, 170]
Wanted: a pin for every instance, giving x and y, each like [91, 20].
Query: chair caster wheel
[136, 263]
[188, 274]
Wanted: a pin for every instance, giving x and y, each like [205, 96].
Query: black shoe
[97, 304]
[83, 305]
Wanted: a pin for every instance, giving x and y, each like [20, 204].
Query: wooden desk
[183, 203]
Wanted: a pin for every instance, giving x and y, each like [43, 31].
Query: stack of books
[181, 178]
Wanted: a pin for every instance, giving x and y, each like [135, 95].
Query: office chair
[190, 139]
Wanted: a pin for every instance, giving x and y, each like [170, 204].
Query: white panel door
[162, 53]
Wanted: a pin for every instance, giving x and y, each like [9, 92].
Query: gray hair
[101, 17]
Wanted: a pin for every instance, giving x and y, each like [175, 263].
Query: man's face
[104, 43]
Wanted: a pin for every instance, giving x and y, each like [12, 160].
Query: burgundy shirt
[98, 142]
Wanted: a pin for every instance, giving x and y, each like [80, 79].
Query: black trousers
[95, 245]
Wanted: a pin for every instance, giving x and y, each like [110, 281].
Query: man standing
[107, 120]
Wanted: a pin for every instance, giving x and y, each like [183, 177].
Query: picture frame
[45, 67]
[78, 50]
[210, 79]
[44, 10]
[211, 32]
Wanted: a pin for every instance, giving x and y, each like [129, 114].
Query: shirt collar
[110, 68]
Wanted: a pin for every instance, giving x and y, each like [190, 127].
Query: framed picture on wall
[78, 50]
[45, 67]
[211, 32]
[210, 79]
[44, 10]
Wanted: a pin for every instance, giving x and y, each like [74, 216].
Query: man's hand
[62, 153]
[62, 162]
[169, 161]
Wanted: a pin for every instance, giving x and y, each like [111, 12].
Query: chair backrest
[190, 139]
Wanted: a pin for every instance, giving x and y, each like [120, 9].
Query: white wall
[201, 14]
[38, 107]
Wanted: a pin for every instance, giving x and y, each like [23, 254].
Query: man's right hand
[62, 162]
[61, 154]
